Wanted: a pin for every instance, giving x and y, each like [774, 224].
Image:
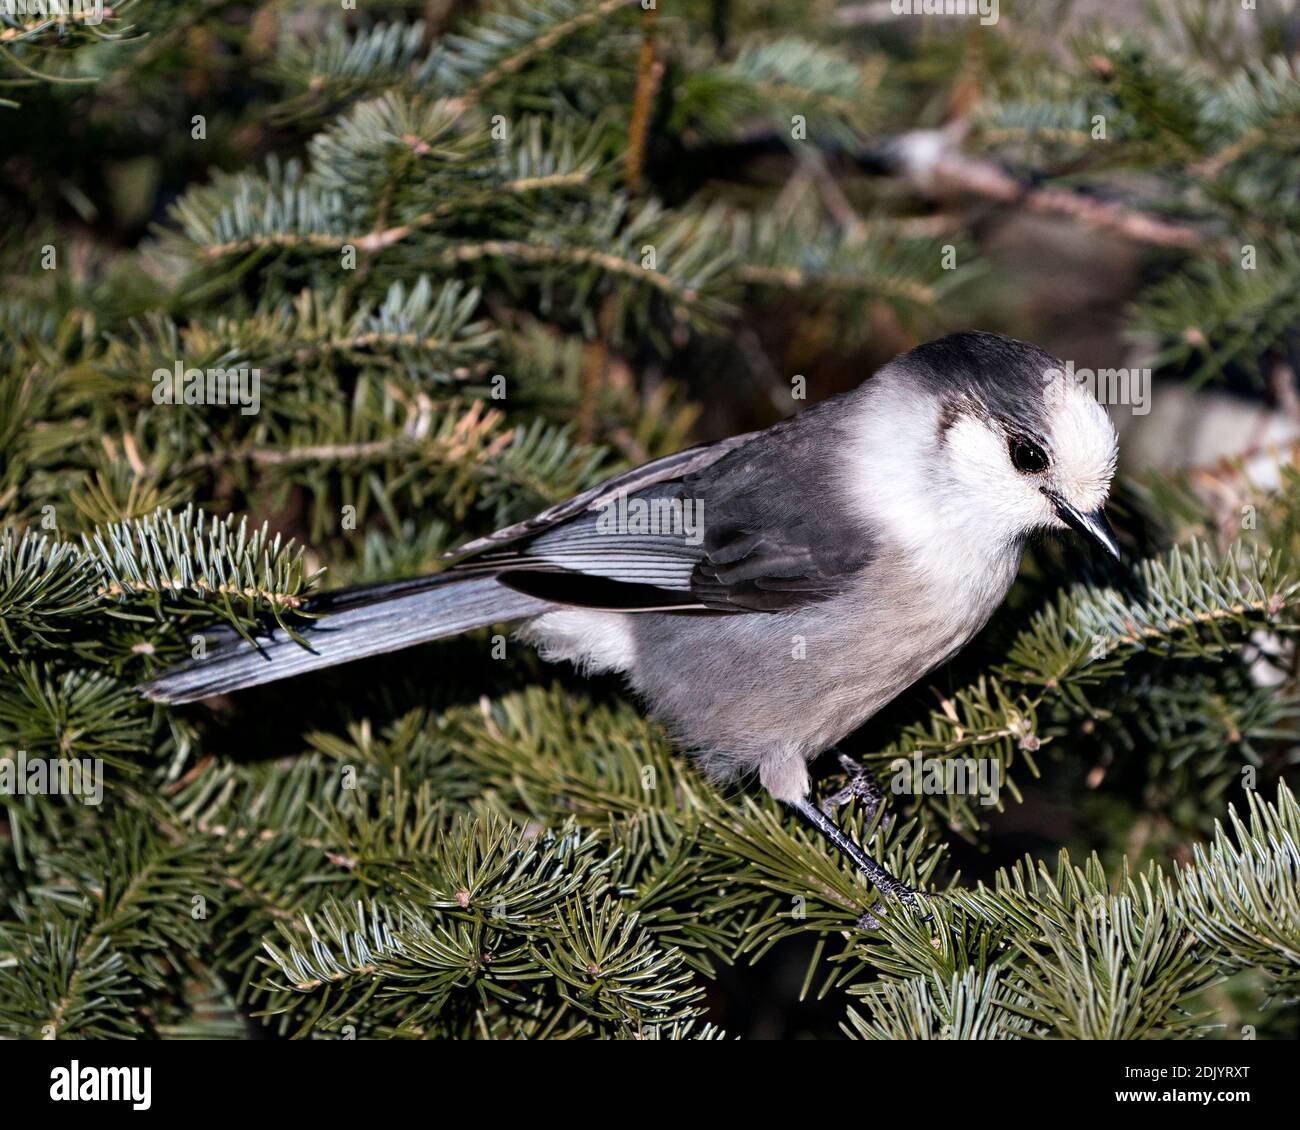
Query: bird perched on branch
[766, 594]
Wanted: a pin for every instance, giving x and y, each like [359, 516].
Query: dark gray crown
[1006, 376]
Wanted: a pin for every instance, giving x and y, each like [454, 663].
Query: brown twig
[648, 74]
[595, 354]
[381, 237]
[932, 160]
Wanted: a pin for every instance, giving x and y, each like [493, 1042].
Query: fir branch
[1242, 899]
[506, 42]
[108, 928]
[194, 558]
[44, 584]
[969, 1007]
[1218, 315]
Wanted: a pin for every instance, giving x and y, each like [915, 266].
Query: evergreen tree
[482, 257]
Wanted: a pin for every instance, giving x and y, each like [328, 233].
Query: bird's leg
[881, 879]
[863, 785]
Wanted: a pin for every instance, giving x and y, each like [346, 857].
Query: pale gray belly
[750, 691]
[735, 685]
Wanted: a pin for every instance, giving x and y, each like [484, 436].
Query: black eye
[1027, 456]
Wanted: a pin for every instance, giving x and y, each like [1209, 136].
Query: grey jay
[765, 594]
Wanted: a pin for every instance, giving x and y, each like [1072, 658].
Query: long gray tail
[354, 623]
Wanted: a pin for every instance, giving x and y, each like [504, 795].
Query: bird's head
[1016, 443]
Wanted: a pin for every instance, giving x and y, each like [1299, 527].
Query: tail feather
[354, 624]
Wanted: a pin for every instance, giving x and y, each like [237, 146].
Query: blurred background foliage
[650, 227]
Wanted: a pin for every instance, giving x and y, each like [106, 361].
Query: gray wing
[779, 533]
[760, 526]
[667, 468]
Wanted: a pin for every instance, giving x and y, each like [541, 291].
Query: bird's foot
[861, 785]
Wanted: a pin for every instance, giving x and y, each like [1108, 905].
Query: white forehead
[1083, 443]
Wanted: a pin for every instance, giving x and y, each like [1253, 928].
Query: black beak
[1092, 525]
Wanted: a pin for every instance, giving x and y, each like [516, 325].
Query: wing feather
[776, 532]
[660, 470]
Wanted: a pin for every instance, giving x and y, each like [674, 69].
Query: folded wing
[755, 525]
